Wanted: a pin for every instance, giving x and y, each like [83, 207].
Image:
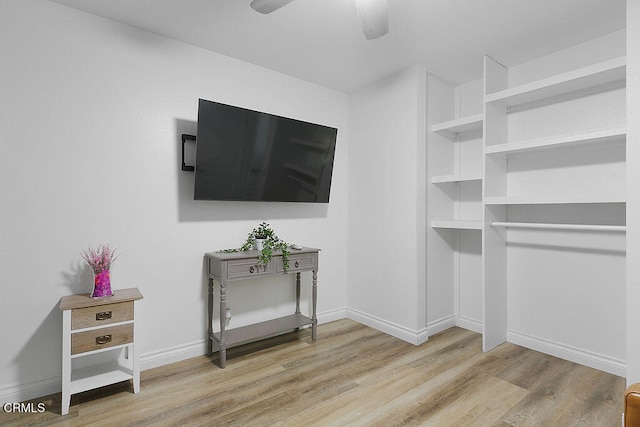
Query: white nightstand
[96, 325]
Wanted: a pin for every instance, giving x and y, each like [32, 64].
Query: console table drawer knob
[103, 339]
[297, 264]
[251, 269]
[103, 315]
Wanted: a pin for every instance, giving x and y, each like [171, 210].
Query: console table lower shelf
[235, 266]
[258, 331]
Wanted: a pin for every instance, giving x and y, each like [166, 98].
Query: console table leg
[223, 310]
[210, 318]
[298, 293]
[314, 317]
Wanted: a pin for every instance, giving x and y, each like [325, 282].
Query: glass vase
[102, 284]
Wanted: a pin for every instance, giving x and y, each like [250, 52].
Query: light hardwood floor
[354, 376]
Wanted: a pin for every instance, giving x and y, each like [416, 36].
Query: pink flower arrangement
[100, 259]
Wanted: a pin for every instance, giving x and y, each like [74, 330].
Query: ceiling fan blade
[268, 6]
[374, 17]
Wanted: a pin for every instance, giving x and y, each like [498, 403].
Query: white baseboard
[563, 351]
[470, 324]
[440, 325]
[178, 353]
[330, 316]
[32, 390]
[411, 336]
[566, 352]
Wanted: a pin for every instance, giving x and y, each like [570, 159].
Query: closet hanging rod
[540, 225]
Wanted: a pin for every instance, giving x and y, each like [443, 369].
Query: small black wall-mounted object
[185, 138]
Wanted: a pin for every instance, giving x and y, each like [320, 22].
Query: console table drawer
[112, 336]
[101, 315]
[301, 262]
[245, 269]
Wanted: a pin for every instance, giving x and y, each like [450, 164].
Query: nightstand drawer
[112, 336]
[101, 315]
[245, 269]
[301, 262]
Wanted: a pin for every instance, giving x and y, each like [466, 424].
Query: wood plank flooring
[354, 376]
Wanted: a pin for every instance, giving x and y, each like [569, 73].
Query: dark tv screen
[249, 155]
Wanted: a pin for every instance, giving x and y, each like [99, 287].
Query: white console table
[226, 267]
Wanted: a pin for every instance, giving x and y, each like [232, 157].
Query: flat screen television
[247, 155]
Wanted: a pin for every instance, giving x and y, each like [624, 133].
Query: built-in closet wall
[633, 193]
[546, 156]
[387, 203]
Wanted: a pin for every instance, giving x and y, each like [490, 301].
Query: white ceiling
[321, 41]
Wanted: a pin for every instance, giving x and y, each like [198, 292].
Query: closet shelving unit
[455, 130]
[553, 200]
[457, 224]
[552, 226]
[444, 179]
[574, 140]
[593, 78]
[454, 206]
[578, 170]
[454, 127]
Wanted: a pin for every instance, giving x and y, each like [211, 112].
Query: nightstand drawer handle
[103, 315]
[297, 264]
[104, 339]
[251, 269]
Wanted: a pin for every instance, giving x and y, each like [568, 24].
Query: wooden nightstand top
[84, 300]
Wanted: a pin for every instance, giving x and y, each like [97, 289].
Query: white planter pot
[258, 244]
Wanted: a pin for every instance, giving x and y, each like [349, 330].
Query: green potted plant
[258, 236]
[265, 240]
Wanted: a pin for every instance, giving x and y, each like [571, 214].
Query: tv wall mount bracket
[185, 138]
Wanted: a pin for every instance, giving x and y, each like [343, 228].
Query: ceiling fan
[373, 14]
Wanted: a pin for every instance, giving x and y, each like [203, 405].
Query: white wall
[387, 152]
[442, 294]
[469, 97]
[633, 194]
[91, 116]
[609, 46]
